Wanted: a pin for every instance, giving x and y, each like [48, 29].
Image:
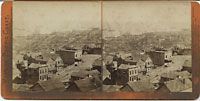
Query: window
[40, 77]
[129, 72]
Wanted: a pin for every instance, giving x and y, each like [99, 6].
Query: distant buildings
[92, 49]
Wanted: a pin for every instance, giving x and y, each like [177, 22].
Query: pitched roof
[85, 73]
[111, 88]
[141, 86]
[177, 85]
[51, 84]
[79, 74]
[187, 63]
[124, 66]
[142, 57]
[92, 72]
[175, 74]
[36, 65]
[108, 59]
[47, 56]
[97, 62]
[184, 74]
[131, 59]
[169, 75]
[88, 84]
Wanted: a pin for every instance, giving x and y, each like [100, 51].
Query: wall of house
[148, 62]
[51, 64]
[78, 54]
[133, 72]
[59, 64]
[31, 75]
[189, 69]
[141, 66]
[43, 73]
[122, 76]
[157, 58]
[68, 57]
[168, 55]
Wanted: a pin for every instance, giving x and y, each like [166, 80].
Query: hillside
[41, 42]
[126, 42]
[146, 41]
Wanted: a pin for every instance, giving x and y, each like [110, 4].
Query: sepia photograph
[147, 47]
[95, 47]
[57, 46]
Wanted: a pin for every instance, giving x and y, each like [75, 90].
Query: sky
[47, 17]
[140, 17]
[120, 17]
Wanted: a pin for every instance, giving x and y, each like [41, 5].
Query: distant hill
[39, 42]
[126, 42]
[146, 41]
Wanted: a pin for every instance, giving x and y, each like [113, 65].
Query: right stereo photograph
[146, 47]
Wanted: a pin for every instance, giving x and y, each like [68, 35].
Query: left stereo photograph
[56, 48]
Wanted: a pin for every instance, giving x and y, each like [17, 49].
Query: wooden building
[126, 73]
[67, 56]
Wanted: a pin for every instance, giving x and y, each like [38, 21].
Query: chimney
[26, 63]
[115, 63]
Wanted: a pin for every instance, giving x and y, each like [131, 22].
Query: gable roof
[137, 58]
[177, 85]
[51, 84]
[88, 84]
[141, 86]
[142, 57]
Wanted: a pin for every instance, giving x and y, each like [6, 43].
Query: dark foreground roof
[141, 86]
[88, 84]
[51, 84]
[178, 85]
